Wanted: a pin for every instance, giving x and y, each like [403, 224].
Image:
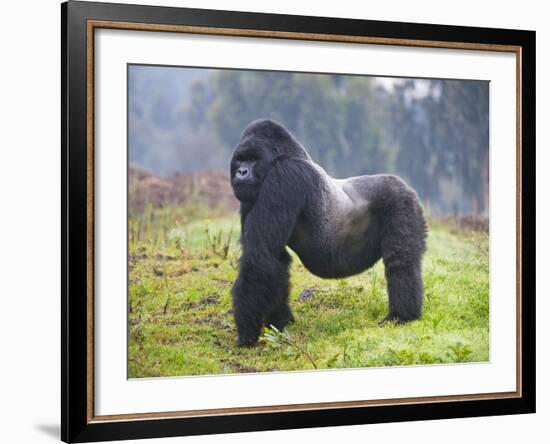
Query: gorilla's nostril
[242, 172]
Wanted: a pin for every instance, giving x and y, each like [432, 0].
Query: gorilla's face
[249, 165]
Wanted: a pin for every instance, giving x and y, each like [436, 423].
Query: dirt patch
[164, 257]
[138, 256]
[184, 269]
[210, 300]
[207, 300]
[241, 368]
[214, 321]
[307, 294]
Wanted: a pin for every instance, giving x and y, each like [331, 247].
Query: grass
[181, 269]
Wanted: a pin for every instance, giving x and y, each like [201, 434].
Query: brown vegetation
[475, 222]
[211, 188]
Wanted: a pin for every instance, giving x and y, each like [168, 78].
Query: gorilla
[337, 227]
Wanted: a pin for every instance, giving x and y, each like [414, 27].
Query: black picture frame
[77, 425]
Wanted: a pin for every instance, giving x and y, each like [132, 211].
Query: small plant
[436, 319]
[178, 236]
[332, 360]
[217, 242]
[401, 356]
[460, 351]
[279, 339]
[166, 289]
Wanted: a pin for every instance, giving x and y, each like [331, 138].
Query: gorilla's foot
[395, 319]
[247, 341]
[280, 317]
[249, 329]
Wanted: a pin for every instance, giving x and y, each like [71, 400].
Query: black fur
[338, 228]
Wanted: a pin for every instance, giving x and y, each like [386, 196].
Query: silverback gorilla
[337, 227]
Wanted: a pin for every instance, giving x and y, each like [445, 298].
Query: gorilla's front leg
[260, 293]
[260, 296]
[249, 312]
[280, 317]
[281, 314]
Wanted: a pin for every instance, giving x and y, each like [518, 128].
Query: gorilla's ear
[281, 139]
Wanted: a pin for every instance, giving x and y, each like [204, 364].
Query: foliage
[434, 133]
[443, 140]
[279, 339]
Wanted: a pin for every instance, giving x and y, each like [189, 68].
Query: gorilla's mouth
[244, 191]
[237, 182]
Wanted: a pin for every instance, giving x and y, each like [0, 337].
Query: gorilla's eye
[248, 156]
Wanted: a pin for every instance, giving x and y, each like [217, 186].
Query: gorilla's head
[262, 143]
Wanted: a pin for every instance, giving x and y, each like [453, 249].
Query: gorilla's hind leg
[402, 245]
[405, 292]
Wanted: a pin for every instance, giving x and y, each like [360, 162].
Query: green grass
[181, 269]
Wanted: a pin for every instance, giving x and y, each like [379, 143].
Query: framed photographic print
[275, 221]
